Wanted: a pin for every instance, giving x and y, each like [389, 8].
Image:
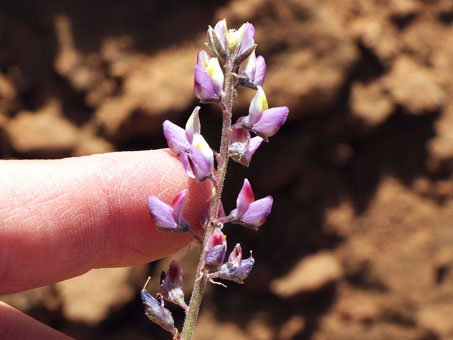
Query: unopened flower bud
[242, 146]
[261, 120]
[236, 44]
[235, 269]
[216, 39]
[168, 218]
[208, 80]
[248, 212]
[156, 311]
[215, 250]
[171, 284]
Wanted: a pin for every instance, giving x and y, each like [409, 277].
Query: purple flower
[248, 212]
[208, 80]
[156, 312]
[261, 120]
[196, 156]
[236, 269]
[171, 284]
[242, 147]
[168, 218]
[215, 250]
[254, 69]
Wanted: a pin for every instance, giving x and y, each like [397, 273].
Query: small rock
[310, 274]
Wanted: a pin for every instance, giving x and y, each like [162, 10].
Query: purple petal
[246, 266]
[236, 255]
[257, 212]
[255, 143]
[200, 165]
[178, 207]
[157, 313]
[186, 164]
[172, 283]
[203, 85]
[215, 250]
[247, 40]
[270, 121]
[162, 215]
[176, 137]
[174, 275]
[260, 71]
[244, 199]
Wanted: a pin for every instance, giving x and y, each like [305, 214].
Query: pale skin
[61, 218]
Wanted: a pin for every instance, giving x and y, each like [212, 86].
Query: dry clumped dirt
[360, 241]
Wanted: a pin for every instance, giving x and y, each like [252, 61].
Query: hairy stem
[201, 279]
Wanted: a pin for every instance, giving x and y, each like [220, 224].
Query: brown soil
[360, 241]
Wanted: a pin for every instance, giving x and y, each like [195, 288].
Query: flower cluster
[234, 64]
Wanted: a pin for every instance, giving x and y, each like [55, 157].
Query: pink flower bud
[171, 284]
[215, 250]
[168, 218]
[248, 212]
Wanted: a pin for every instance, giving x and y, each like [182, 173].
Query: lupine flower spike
[234, 64]
[248, 212]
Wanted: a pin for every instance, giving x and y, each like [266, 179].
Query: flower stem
[201, 278]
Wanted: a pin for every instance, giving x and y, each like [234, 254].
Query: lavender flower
[236, 269]
[196, 156]
[208, 80]
[168, 218]
[215, 250]
[171, 284]
[261, 120]
[248, 212]
[242, 146]
[253, 70]
[156, 311]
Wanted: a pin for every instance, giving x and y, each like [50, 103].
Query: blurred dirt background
[360, 241]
